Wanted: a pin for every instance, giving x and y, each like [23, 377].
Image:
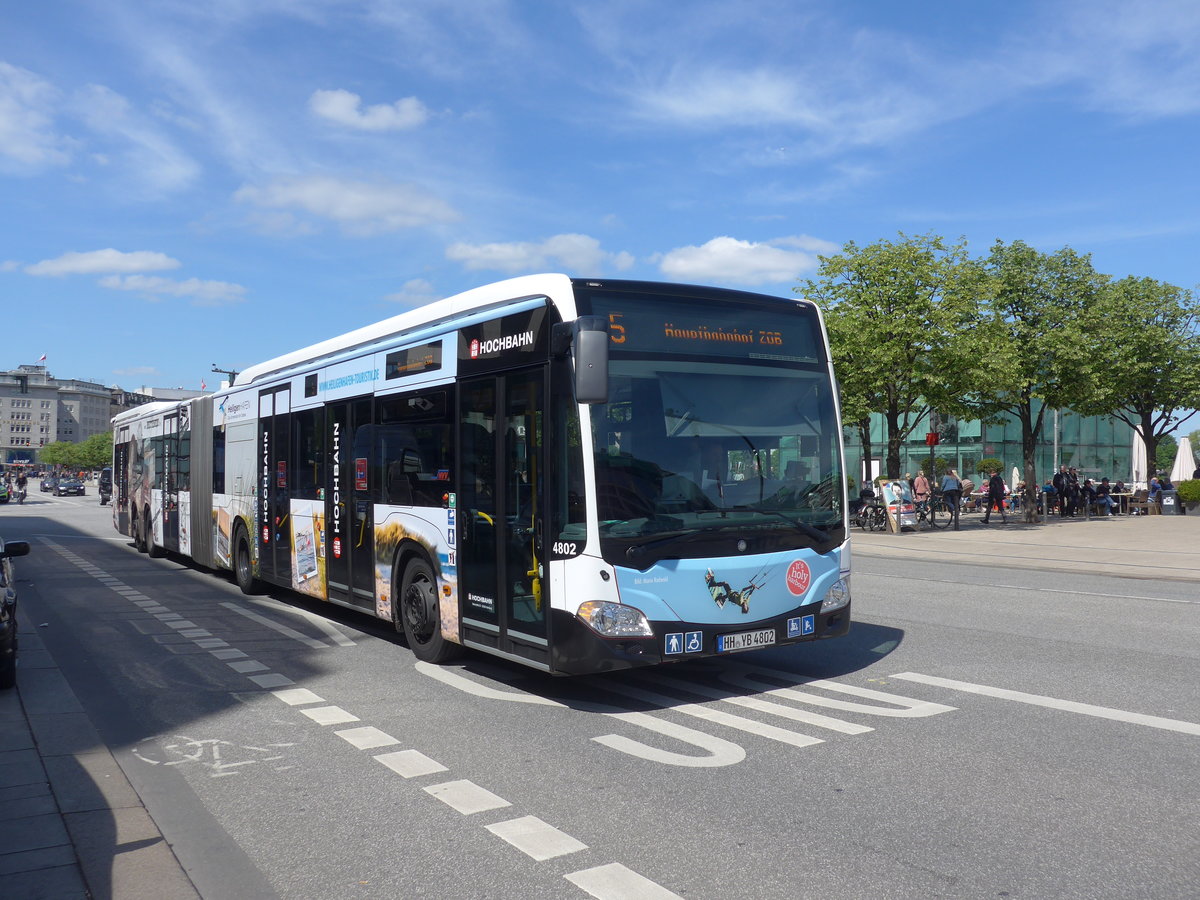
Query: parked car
[8, 611]
[69, 486]
[4, 492]
[48, 483]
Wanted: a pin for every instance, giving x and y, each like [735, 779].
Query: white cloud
[9, 265]
[148, 153]
[96, 262]
[359, 207]
[27, 137]
[343, 108]
[415, 292]
[726, 260]
[204, 293]
[577, 253]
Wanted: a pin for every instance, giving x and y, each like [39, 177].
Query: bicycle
[935, 512]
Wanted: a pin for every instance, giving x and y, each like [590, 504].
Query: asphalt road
[982, 732]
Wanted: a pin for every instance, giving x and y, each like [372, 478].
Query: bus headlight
[614, 619]
[837, 596]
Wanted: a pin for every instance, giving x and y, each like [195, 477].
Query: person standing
[952, 492]
[995, 495]
[920, 487]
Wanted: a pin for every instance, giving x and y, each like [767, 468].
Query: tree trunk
[1029, 451]
[893, 443]
[1151, 441]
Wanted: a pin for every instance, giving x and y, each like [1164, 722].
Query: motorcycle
[105, 495]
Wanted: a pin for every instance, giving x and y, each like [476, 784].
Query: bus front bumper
[579, 650]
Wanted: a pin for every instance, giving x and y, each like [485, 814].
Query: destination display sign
[708, 327]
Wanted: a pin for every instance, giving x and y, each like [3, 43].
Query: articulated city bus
[577, 475]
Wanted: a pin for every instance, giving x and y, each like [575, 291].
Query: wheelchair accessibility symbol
[693, 642]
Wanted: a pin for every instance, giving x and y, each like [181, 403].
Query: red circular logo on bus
[337, 548]
[798, 577]
[475, 349]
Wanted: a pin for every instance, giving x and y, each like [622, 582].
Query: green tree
[56, 454]
[96, 451]
[1039, 357]
[899, 315]
[1151, 374]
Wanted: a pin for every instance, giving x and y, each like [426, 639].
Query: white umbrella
[1185, 463]
[1016, 479]
[1138, 463]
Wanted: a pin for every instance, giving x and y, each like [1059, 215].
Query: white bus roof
[557, 287]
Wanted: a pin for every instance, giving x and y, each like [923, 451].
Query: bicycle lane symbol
[218, 757]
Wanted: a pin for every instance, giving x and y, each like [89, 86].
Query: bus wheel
[417, 611]
[243, 568]
[148, 537]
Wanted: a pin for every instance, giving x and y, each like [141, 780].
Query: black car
[48, 483]
[8, 611]
[69, 486]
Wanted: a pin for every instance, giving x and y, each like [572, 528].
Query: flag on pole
[203, 386]
[42, 358]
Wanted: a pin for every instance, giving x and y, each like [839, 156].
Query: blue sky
[187, 182]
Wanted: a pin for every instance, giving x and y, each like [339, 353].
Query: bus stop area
[1161, 547]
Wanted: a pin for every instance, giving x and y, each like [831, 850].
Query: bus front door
[349, 532]
[501, 567]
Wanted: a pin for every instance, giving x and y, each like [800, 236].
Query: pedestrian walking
[995, 495]
[952, 493]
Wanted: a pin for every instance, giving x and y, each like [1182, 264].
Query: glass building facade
[1098, 446]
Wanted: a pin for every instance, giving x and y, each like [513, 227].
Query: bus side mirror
[590, 345]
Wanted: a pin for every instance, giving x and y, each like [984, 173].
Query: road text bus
[578, 475]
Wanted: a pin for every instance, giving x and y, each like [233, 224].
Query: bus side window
[416, 448]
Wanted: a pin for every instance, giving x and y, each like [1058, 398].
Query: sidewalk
[1162, 547]
[71, 825]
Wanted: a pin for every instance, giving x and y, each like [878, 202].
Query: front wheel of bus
[418, 616]
[243, 568]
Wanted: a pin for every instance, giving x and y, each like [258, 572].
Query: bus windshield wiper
[637, 552]
[803, 527]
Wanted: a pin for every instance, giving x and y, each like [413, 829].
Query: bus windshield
[707, 441]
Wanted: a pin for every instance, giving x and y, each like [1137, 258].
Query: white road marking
[536, 838]
[271, 680]
[182, 623]
[616, 882]
[718, 751]
[335, 633]
[231, 653]
[749, 726]
[898, 707]
[367, 737]
[212, 643]
[277, 626]
[410, 763]
[195, 633]
[298, 696]
[466, 797]
[329, 715]
[243, 666]
[1087, 709]
[764, 706]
